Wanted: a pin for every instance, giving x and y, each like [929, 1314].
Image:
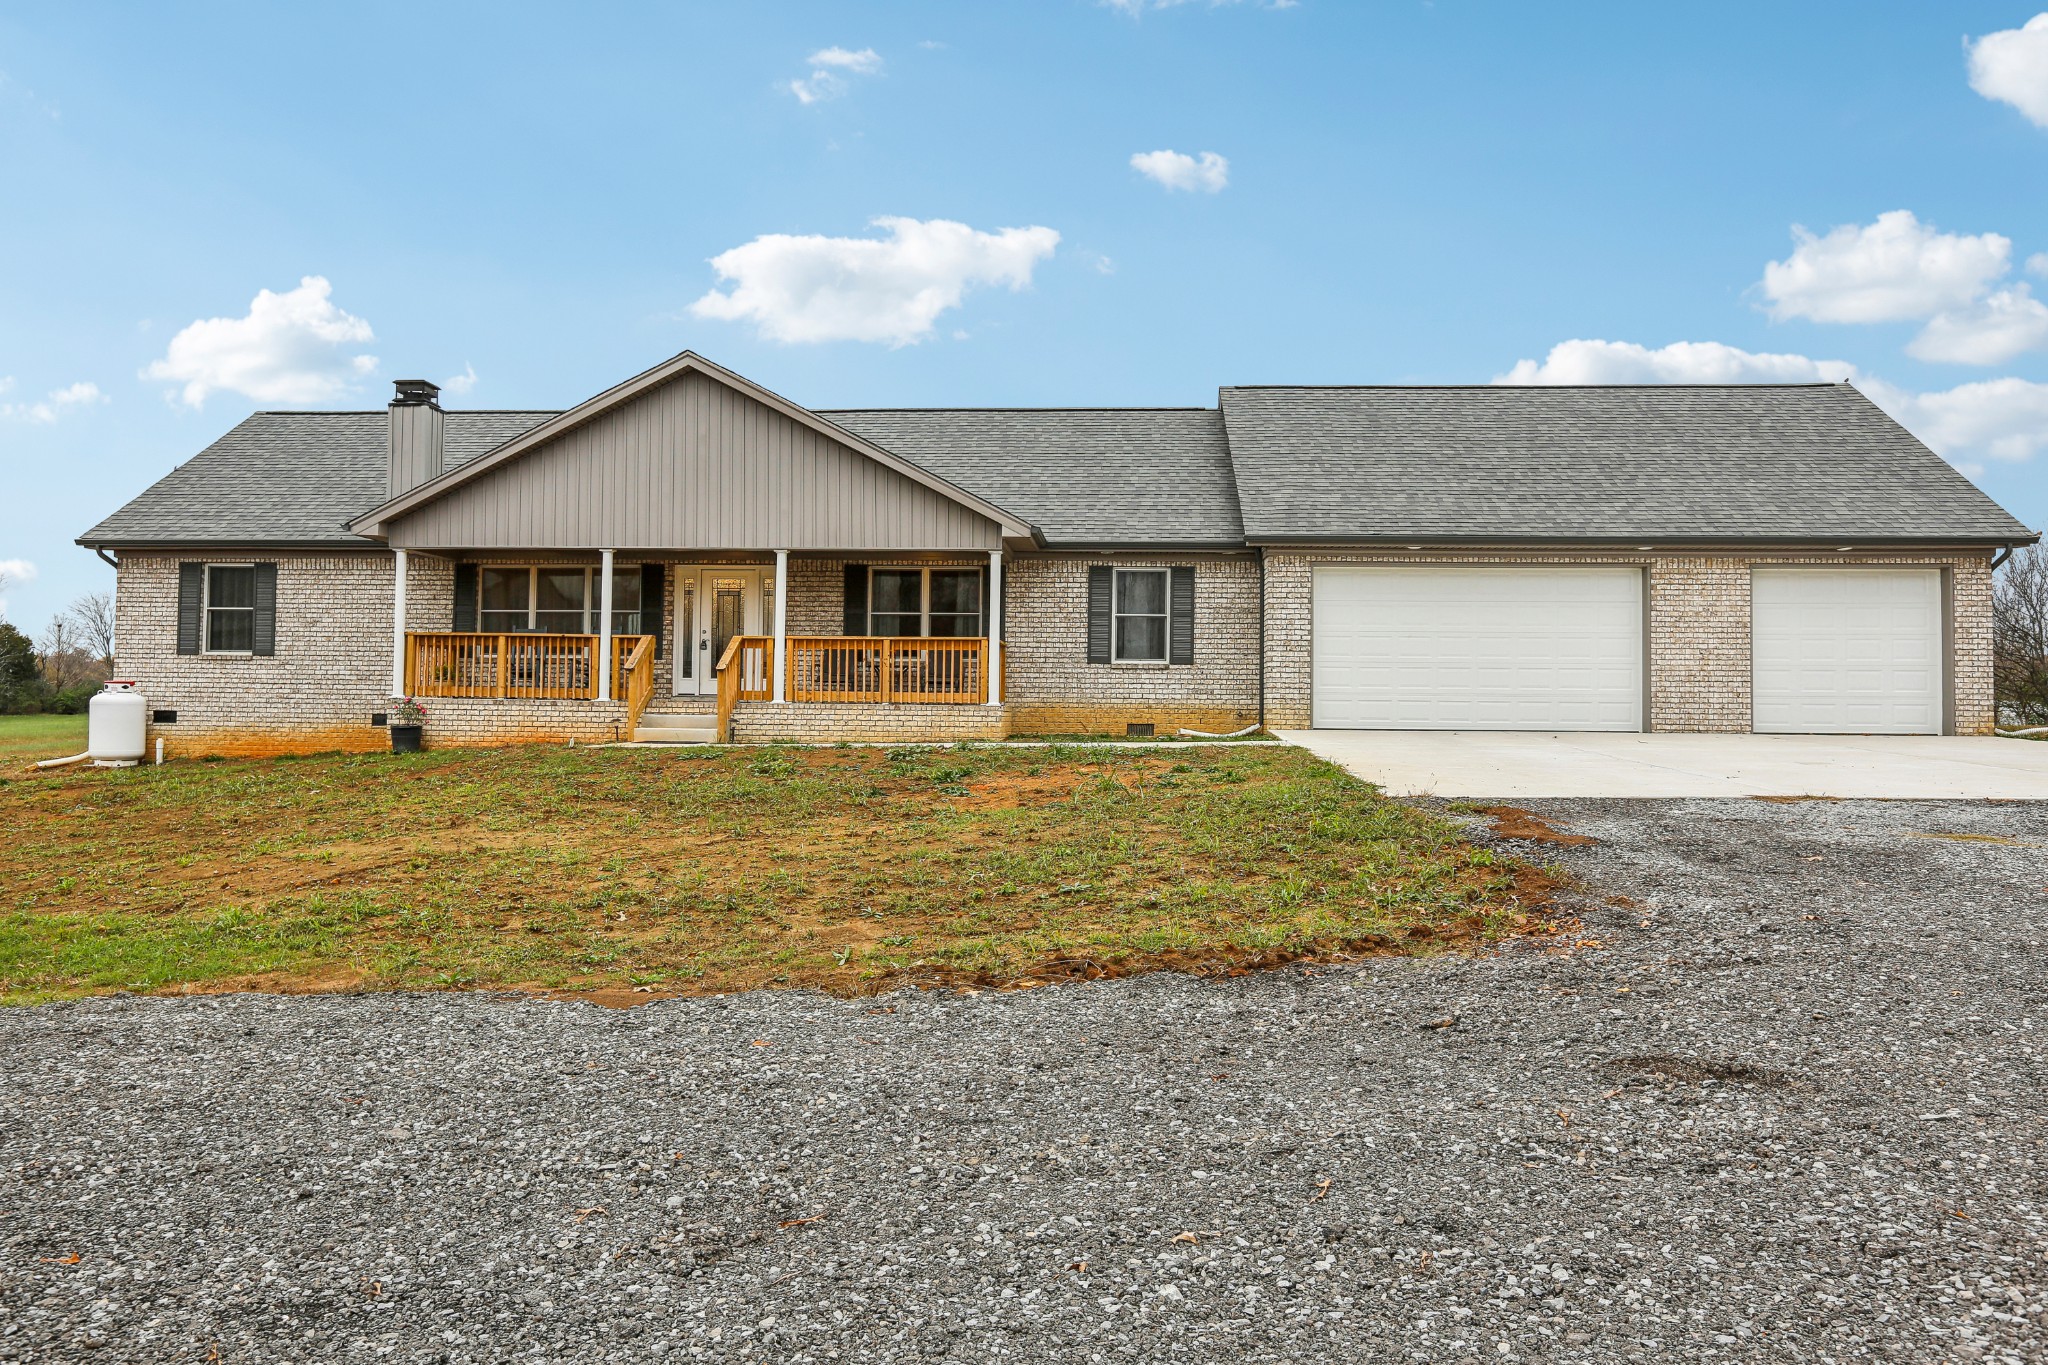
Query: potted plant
[408, 719]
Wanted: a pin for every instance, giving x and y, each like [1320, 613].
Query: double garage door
[1560, 647]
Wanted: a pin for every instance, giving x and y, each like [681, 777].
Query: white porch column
[604, 630]
[398, 678]
[995, 628]
[782, 625]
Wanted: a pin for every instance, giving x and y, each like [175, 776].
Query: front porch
[824, 676]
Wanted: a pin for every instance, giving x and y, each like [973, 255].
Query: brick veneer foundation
[766, 722]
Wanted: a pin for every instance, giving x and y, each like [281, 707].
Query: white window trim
[593, 607]
[206, 610]
[924, 599]
[1117, 617]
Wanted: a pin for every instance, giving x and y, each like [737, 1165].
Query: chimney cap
[415, 393]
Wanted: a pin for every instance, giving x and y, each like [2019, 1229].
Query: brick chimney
[415, 426]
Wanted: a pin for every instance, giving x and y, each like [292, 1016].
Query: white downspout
[781, 625]
[398, 678]
[604, 630]
[995, 628]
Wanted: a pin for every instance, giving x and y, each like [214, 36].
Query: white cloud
[290, 348]
[1894, 269]
[1988, 332]
[2037, 264]
[1179, 171]
[14, 571]
[53, 404]
[2012, 66]
[1682, 362]
[2003, 419]
[457, 385]
[891, 289]
[830, 66]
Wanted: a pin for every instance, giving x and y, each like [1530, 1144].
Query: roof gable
[380, 519]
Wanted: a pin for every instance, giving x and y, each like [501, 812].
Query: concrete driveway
[1516, 764]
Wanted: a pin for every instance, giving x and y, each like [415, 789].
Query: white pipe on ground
[63, 762]
[1234, 734]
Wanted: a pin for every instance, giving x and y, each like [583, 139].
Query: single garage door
[1846, 651]
[1512, 647]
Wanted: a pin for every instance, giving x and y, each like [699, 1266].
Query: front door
[722, 603]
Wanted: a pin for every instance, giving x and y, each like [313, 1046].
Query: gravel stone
[1783, 1099]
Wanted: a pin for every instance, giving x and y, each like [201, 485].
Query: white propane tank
[116, 724]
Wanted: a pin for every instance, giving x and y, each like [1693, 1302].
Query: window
[1140, 616]
[555, 600]
[230, 608]
[938, 602]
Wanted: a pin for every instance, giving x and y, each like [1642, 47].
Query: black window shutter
[1180, 631]
[984, 601]
[191, 606]
[264, 643]
[856, 618]
[1101, 582]
[652, 579]
[465, 598]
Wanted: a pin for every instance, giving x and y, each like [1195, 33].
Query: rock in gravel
[1778, 1096]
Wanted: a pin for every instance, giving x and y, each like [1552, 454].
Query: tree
[18, 668]
[91, 619]
[2019, 619]
[66, 664]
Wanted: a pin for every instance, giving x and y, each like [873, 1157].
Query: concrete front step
[675, 730]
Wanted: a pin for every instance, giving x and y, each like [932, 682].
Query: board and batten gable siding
[694, 464]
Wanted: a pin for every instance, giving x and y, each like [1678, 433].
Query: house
[688, 553]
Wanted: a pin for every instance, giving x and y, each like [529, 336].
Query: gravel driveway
[1789, 1107]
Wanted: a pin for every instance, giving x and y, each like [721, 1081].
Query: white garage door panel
[1527, 647]
[1847, 651]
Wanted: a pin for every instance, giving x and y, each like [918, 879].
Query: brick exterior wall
[331, 671]
[1699, 630]
[1050, 686]
[332, 666]
[765, 722]
[1055, 690]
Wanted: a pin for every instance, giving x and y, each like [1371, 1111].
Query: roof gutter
[1643, 543]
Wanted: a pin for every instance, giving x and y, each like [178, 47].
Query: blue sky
[1406, 192]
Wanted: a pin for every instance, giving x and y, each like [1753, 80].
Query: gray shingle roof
[1082, 476]
[288, 478]
[1733, 462]
[1704, 462]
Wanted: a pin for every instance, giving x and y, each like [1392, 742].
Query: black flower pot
[405, 739]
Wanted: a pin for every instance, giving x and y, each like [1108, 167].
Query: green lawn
[634, 872]
[28, 739]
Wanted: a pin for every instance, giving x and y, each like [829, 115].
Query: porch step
[655, 729]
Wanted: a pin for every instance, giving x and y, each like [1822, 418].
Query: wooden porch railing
[882, 668]
[746, 672]
[549, 667]
[853, 668]
[633, 677]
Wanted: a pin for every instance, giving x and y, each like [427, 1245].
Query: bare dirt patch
[1512, 822]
